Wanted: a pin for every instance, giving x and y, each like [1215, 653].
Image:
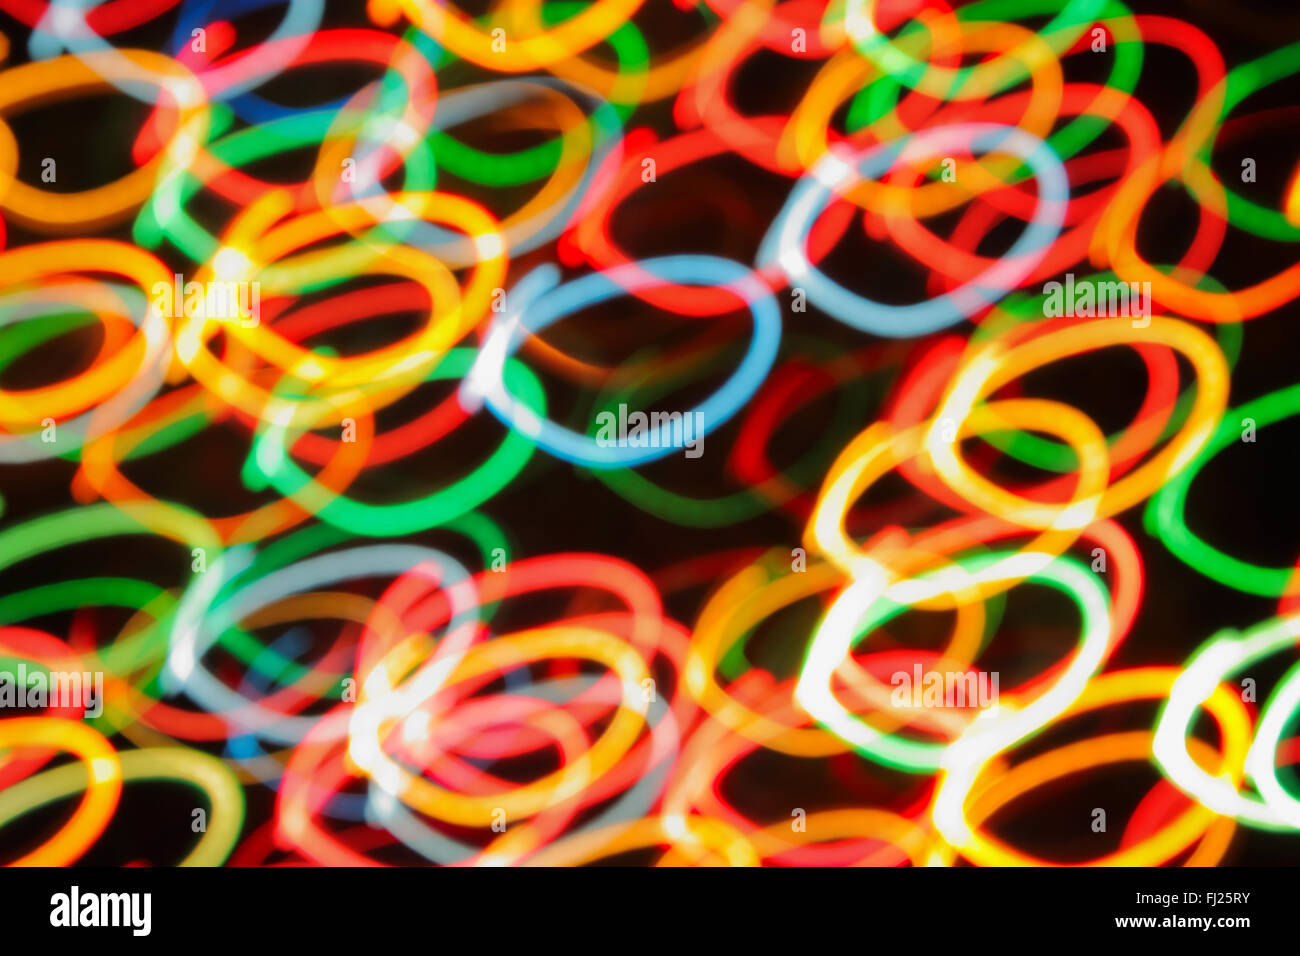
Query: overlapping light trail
[367, 648]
